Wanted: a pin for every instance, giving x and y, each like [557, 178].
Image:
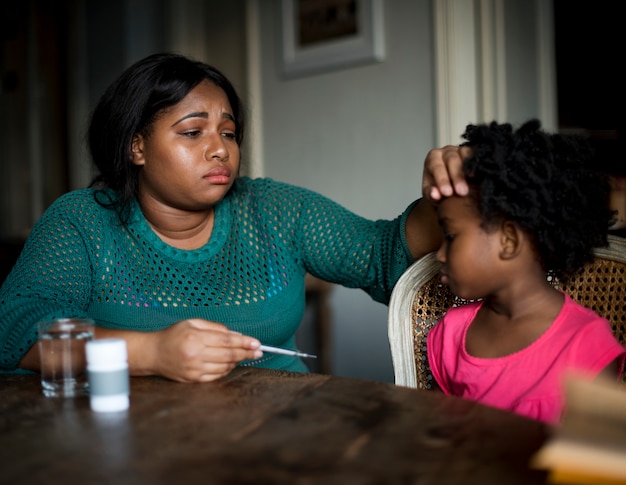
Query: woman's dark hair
[131, 105]
[546, 185]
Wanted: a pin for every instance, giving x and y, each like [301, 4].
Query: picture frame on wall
[322, 35]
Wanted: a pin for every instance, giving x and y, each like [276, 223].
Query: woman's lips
[218, 176]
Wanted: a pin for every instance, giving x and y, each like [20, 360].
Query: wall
[522, 71]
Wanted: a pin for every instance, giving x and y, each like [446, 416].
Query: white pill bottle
[107, 371]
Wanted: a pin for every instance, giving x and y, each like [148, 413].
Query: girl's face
[469, 254]
[190, 159]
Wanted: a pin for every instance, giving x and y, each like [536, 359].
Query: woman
[171, 250]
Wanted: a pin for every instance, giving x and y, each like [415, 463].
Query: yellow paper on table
[589, 446]
[567, 478]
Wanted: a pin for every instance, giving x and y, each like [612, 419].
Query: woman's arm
[188, 351]
[422, 231]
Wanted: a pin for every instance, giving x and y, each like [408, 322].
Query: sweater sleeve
[51, 278]
[342, 247]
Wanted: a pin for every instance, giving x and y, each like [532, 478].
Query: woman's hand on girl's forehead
[443, 172]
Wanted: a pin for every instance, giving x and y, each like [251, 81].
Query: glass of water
[62, 354]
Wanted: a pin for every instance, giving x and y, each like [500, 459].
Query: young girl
[534, 208]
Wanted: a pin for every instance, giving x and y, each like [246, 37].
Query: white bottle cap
[107, 353]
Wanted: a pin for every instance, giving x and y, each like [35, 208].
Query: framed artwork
[319, 35]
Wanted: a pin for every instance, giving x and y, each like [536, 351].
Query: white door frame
[471, 64]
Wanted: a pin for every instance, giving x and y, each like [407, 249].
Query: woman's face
[469, 253]
[191, 158]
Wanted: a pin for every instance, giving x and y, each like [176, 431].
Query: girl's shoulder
[578, 314]
[459, 317]
[464, 308]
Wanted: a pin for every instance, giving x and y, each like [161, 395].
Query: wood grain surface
[262, 427]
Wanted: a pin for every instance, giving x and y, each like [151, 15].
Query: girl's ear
[511, 240]
[136, 149]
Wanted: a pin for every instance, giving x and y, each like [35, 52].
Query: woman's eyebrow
[195, 114]
[202, 114]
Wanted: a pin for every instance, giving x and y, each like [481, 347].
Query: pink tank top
[528, 382]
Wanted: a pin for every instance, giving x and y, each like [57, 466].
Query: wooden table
[262, 427]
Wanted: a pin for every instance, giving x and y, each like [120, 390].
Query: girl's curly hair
[546, 185]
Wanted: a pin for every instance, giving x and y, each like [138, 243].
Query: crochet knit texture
[80, 260]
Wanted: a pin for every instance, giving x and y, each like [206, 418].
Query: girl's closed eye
[447, 235]
[230, 135]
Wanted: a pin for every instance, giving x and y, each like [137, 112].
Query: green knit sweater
[80, 260]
